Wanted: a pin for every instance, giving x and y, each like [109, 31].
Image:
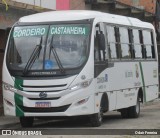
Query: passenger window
[147, 37]
[111, 42]
[130, 33]
[153, 46]
[147, 40]
[137, 44]
[148, 51]
[124, 41]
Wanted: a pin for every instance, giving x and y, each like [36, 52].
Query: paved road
[149, 119]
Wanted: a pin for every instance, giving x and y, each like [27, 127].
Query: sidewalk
[8, 121]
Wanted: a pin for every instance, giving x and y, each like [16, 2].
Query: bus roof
[73, 15]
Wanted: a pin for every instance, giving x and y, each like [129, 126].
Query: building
[133, 8]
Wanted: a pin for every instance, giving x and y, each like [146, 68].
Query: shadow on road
[75, 122]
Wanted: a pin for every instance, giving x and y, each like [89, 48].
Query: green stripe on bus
[19, 102]
[143, 82]
[18, 83]
[18, 98]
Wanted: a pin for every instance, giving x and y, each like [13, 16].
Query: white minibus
[79, 63]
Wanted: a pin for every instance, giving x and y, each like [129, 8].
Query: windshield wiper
[33, 57]
[56, 57]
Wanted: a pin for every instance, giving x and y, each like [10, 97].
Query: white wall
[49, 4]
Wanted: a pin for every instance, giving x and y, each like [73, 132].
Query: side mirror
[101, 41]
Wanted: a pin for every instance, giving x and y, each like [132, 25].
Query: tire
[26, 121]
[96, 119]
[134, 111]
[124, 113]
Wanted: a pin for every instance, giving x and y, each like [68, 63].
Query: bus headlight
[81, 85]
[9, 87]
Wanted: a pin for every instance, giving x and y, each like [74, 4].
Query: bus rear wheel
[134, 111]
[131, 112]
[125, 113]
[26, 121]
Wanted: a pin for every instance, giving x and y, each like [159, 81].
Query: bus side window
[143, 47]
[131, 45]
[147, 39]
[153, 46]
[124, 40]
[118, 44]
[111, 42]
[137, 44]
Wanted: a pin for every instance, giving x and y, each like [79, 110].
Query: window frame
[132, 59]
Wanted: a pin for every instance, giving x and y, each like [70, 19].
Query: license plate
[43, 104]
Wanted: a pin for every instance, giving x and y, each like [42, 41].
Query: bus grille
[47, 86]
[42, 88]
[54, 98]
[43, 110]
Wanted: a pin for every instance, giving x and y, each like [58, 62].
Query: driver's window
[96, 47]
[99, 43]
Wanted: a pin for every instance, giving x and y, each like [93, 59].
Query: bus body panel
[150, 73]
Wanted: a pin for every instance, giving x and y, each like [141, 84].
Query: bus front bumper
[80, 102]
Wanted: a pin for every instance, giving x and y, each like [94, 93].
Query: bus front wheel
[26, 121]
[96, 119]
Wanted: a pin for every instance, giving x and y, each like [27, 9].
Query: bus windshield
[48, 47]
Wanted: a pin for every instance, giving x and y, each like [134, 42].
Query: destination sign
[54, 30]
[69, 30]
[30, 31]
